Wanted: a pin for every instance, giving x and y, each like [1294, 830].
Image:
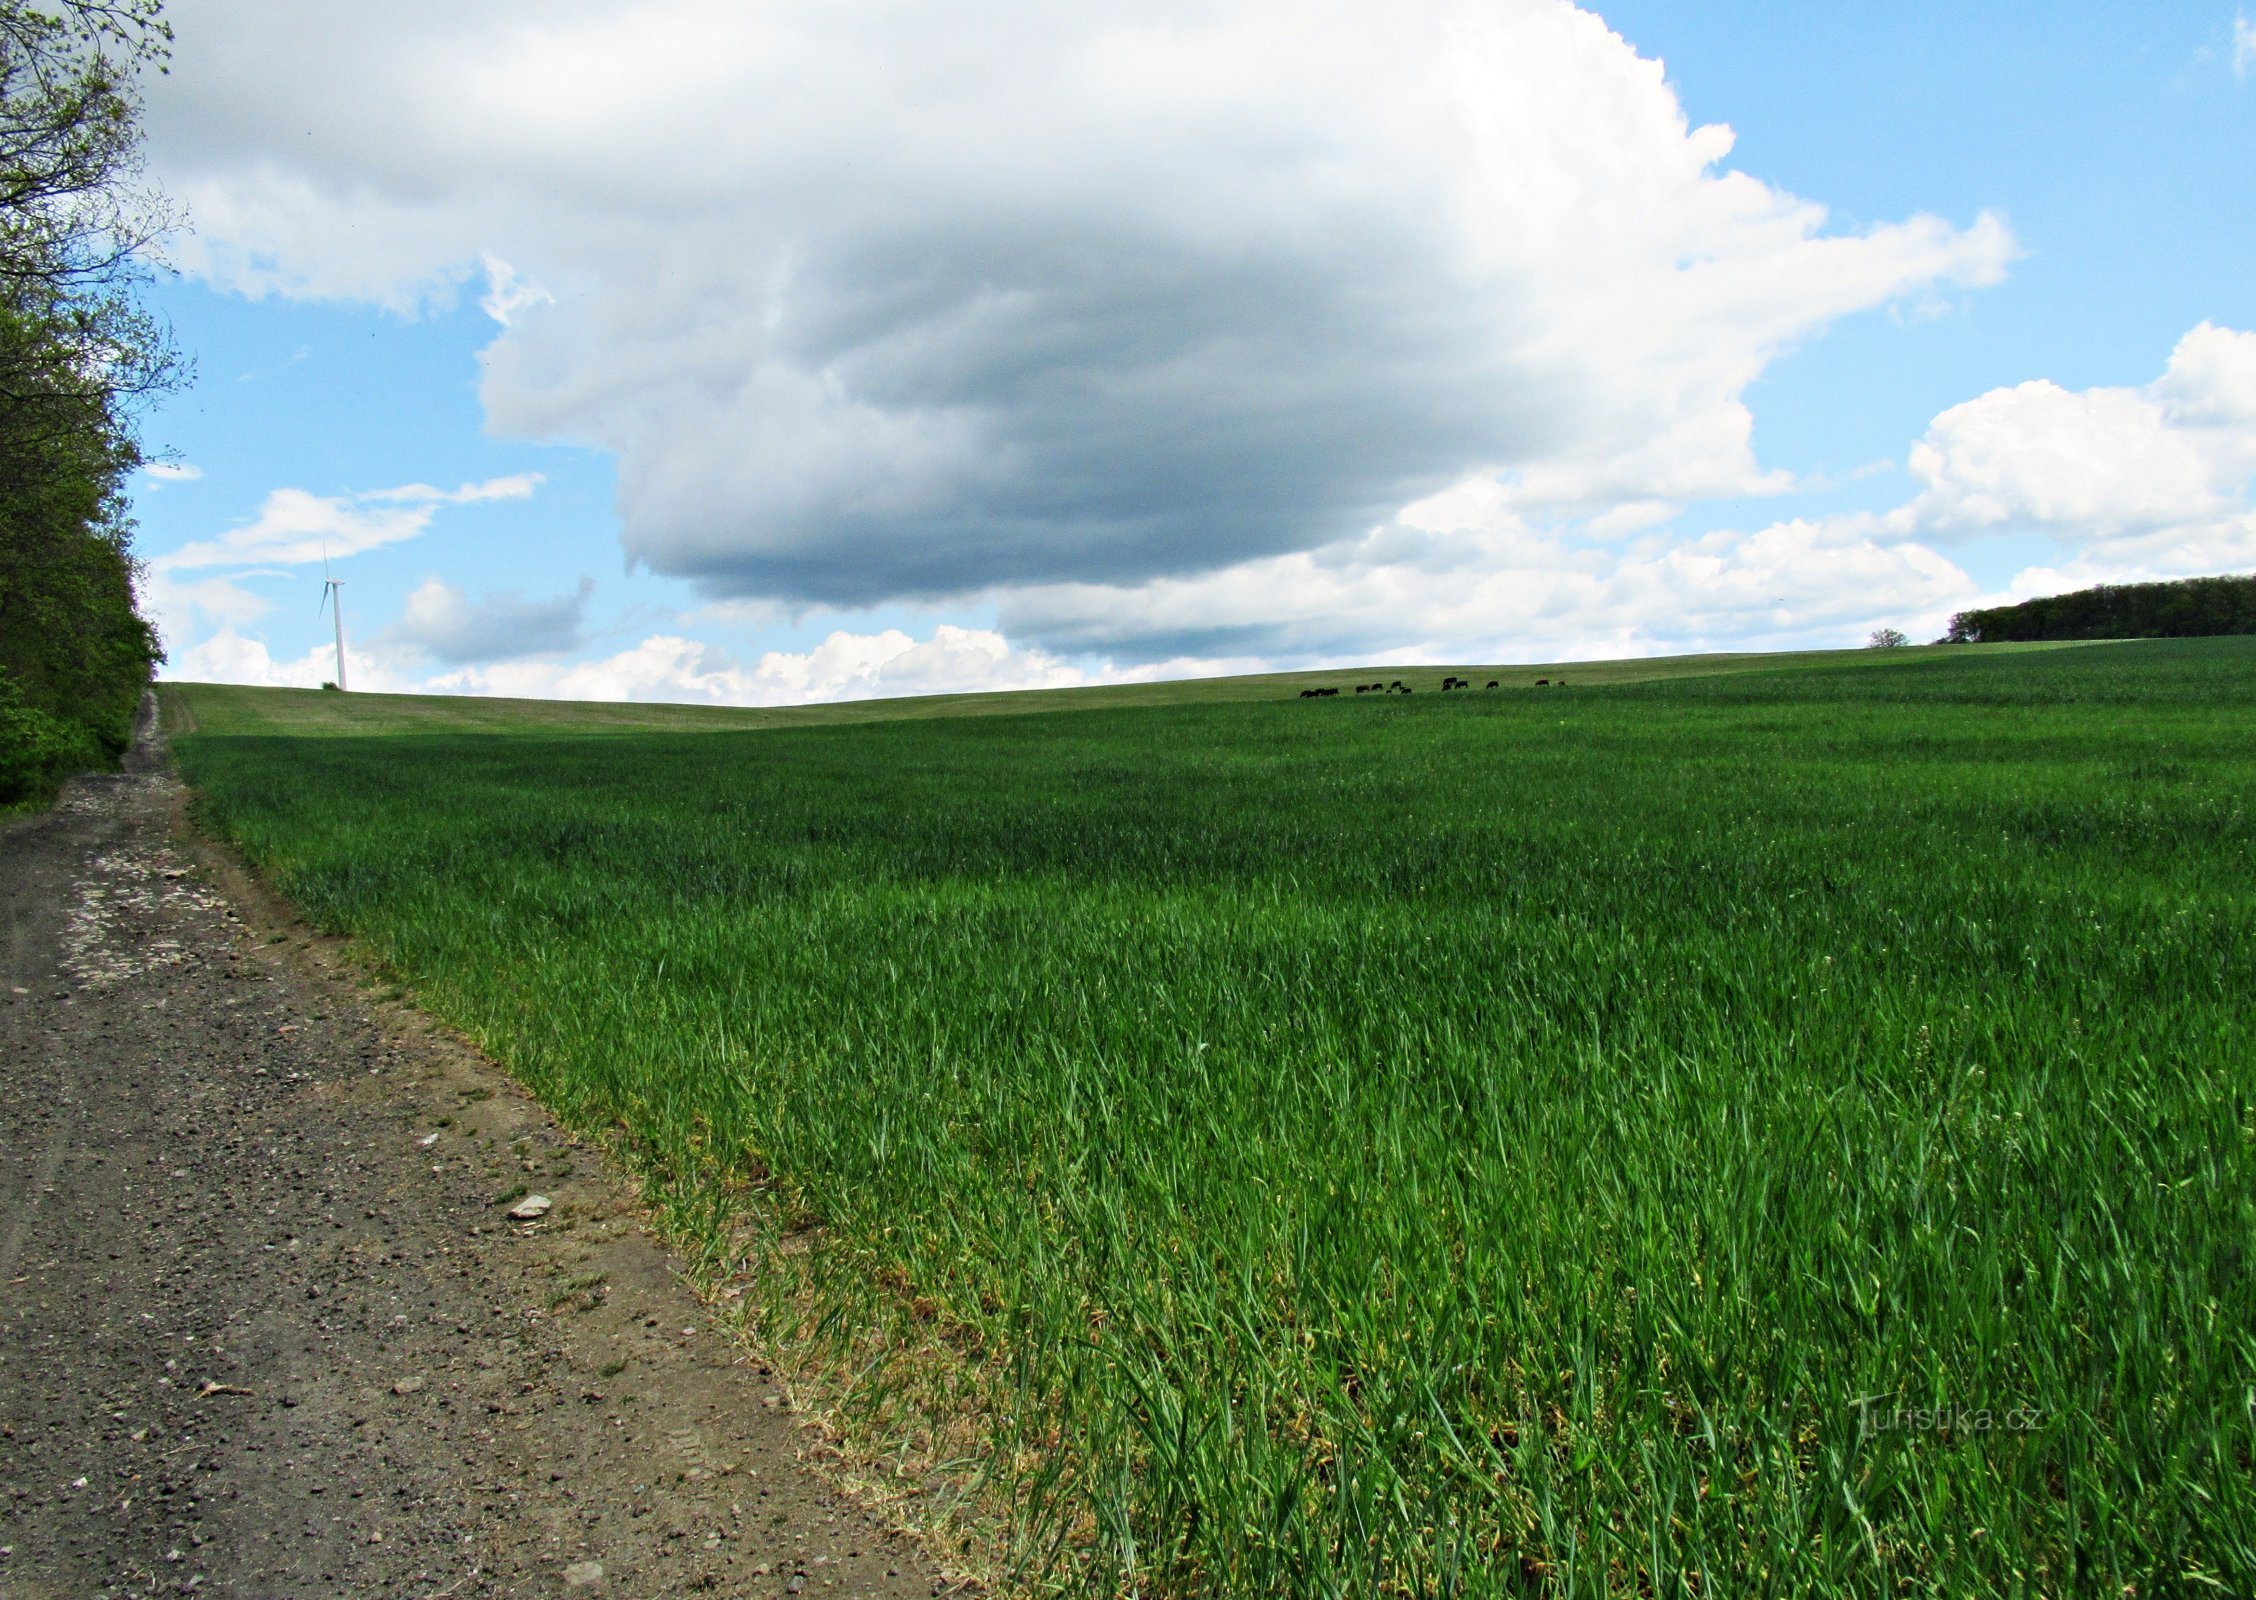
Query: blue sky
[1153, 399]
[2117, 139]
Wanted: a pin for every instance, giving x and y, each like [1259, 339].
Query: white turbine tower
[333, 601]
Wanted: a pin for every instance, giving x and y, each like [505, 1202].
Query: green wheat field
[1748, 1127]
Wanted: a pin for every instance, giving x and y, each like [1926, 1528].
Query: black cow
[1492, 683]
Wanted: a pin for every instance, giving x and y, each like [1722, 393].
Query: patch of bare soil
[267, 1324]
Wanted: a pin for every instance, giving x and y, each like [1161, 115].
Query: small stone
[583, 1574]
[407, 1385]
[428, 1140]
[531, 1207]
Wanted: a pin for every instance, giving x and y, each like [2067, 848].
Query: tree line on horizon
[2185, 608]
[80, 357]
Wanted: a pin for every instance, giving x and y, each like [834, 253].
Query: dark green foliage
[35, 745]
[1783, 1134]
[77, 356]
[2190, 608]
[72, 644]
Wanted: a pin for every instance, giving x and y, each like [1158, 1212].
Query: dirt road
[264, 1328]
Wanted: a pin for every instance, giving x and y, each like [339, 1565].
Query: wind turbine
[333, 601]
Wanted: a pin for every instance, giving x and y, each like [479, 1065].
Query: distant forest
[2186, 609]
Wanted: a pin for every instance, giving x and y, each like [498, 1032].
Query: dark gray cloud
[442, 622]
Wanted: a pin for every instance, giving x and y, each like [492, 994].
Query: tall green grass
[1788, 1133]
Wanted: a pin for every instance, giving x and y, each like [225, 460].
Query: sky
[690, 350]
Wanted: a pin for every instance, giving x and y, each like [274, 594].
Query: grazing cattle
[1492, 683]
[1543, 683]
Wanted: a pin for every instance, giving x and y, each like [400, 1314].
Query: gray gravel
[262, 1334]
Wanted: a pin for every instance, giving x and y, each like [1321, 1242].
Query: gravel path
[264, 1329]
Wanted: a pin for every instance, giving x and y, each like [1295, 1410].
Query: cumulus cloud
[885, 298]
[296, 528]
[2101, 463]
[2243, 46]
[441, 621]
[845, 666]
[662, 668]
[229, 656]
[2126, 483]
[183, 608]
[1465, 579]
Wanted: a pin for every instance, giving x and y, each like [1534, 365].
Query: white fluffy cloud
[295, 528]
[229, 656]
[2099, 464]
[2127, 484]
[883, 298]
[1463, 578]
[2243, 46]
[662, 668]
[845, 666]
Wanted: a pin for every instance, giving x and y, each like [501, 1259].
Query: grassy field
[1782, 1131]
[228, 708]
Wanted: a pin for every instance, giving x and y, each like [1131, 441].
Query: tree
[1886, 639]
[79, 359]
